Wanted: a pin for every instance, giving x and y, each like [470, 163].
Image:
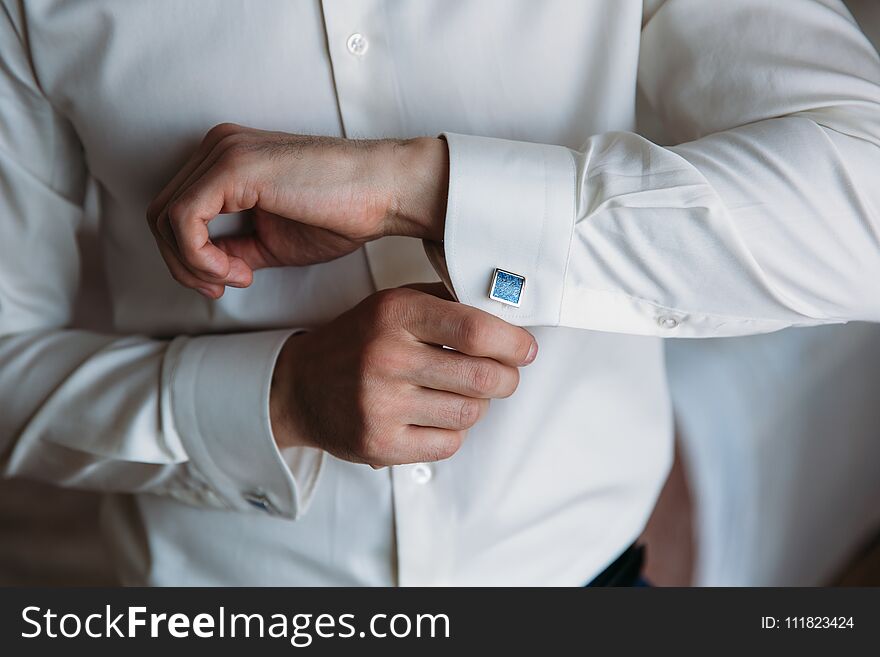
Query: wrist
[283, 413]
[420, 183]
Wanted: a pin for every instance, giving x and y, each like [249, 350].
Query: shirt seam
[573, 208]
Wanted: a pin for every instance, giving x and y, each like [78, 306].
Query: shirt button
[357, 44]
[422, 473]
[667, 322]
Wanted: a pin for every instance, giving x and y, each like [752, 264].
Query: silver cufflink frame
[495, 291]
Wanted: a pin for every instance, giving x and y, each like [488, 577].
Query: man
[245, 422]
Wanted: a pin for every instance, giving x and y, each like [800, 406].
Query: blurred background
[776, 480]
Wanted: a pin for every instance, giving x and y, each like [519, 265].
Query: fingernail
[205, 292]
[533, 353]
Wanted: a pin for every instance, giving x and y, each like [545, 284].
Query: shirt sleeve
[763, 215]
[186, 418]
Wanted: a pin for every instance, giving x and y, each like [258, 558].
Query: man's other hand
[376, 385]
[312, 199]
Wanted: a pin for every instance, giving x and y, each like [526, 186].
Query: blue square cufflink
[507, 287]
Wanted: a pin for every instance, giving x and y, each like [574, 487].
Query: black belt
[625, 571]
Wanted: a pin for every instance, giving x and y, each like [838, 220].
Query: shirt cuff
[219, 399]
[511, 206]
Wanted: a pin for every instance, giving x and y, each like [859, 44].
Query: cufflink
[259, 499]
[507, 287]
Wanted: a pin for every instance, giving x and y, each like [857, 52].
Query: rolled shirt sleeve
[763, 216]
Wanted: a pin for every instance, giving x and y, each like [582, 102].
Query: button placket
[364, 78]
[363, 69]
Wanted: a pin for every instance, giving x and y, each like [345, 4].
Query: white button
[667, 322]
[357, 44]
[422, 473]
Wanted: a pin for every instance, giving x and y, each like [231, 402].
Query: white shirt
[764, 216]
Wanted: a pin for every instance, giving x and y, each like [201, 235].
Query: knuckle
[176, 211]
[473, 332]
[368, 362]
[381, 359]
[394, 362]
[469, 411]
[381, 444]
[389, 304]
[222, 130]
[484, 377]
[177, 276]
[394, 297]
[234, 156]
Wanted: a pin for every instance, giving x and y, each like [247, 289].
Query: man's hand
[313, 199]
[376, 385]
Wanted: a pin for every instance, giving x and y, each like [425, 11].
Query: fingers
[444, 410]
[189, 215]
[185, 277]
[415, 444]
[444, 369]
[426, 444]
[170, 217]
[196, 172]
[471, 331]
[247, 249]
[208, 143]
[180, 273]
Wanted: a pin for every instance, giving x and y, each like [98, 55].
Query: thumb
[245, 249]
